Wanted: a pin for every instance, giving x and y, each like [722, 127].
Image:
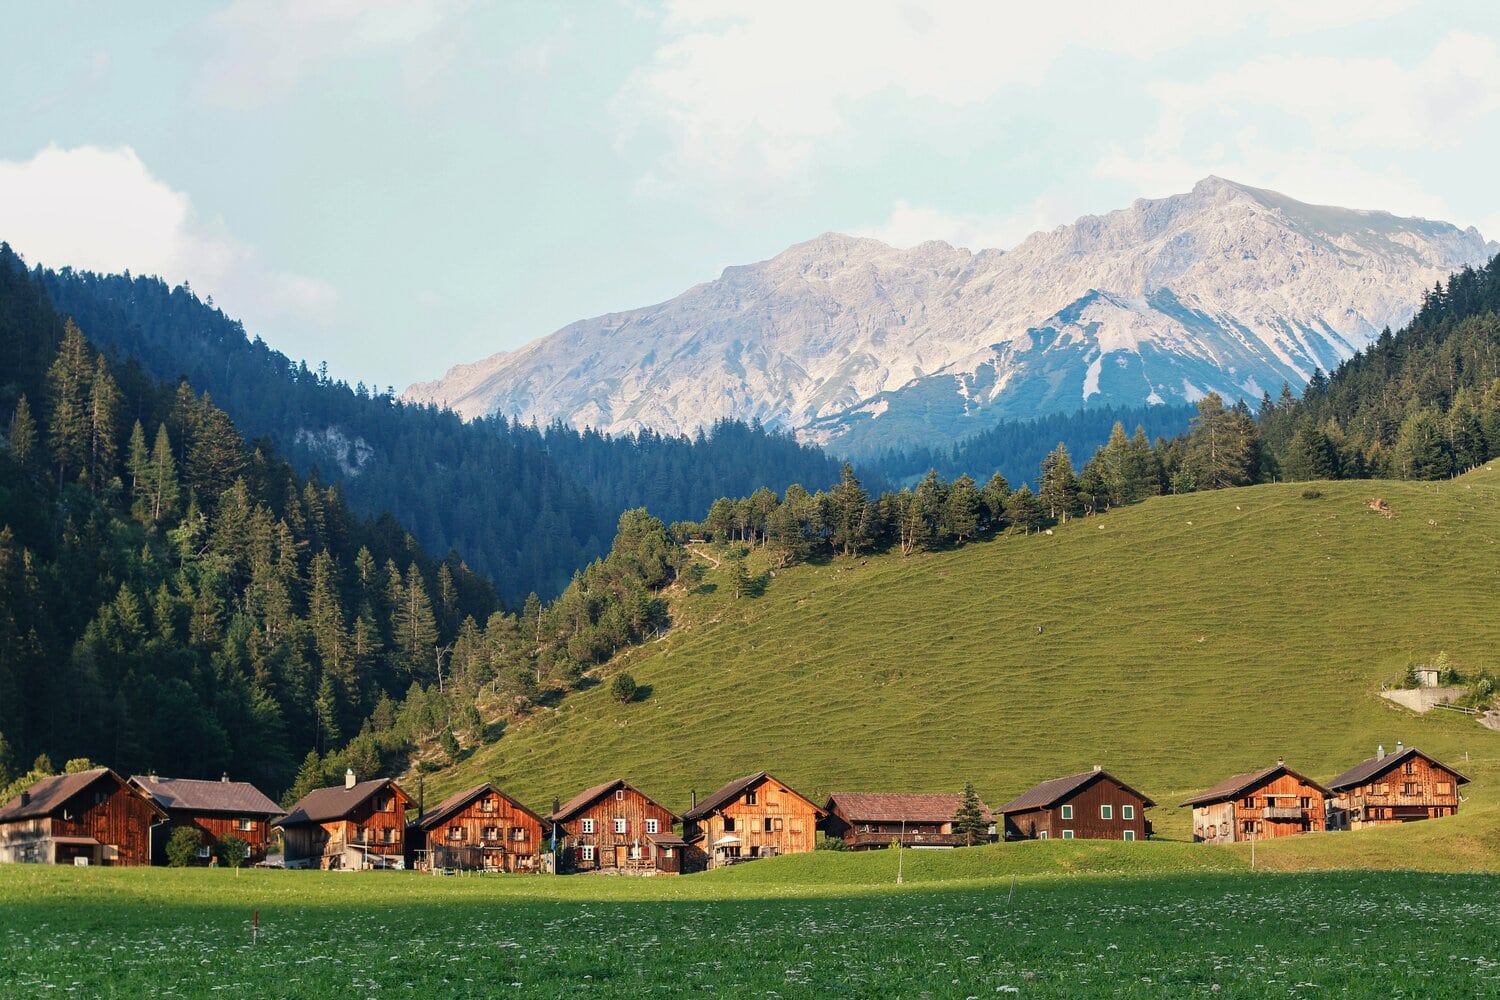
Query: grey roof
[893, 807]
[731, 791]
[458, 800]
[1231, 787]
[588, 796]
[192, 795]
[324, 804]
[1362, 772]
[50, 794]
[1048, 793]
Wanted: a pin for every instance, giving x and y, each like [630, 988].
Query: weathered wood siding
[1415, 789]
[1280, 806]
[510, 837]
[113, 814]
[376, 826]
[612, 849]
[768, 818]
[26, 841]
[1081, 816]
[214, 828]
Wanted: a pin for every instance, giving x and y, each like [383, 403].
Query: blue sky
[396, 187]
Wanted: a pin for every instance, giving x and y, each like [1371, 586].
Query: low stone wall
[1424, 699]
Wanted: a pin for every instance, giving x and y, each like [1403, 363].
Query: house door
[620, 852]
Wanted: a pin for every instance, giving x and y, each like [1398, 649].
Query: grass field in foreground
[1175, 642]
[139, 932]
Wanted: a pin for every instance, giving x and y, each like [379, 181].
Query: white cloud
[746, 92]
[261, 49]
[102, 210]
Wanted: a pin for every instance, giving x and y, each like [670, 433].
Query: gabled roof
[893, 807]
[1365, 770]
[1231, 787]
[589, 796]
[1049, 793]
[735, 789]
[192, 795]
[459, 801]
[50, 794]
[322, 805]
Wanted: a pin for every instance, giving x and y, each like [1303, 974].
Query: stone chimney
[1380, 752]
[1399, 746]
[1098, 767]
[348, 778]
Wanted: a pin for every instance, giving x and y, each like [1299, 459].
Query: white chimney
[224, 777]
[1380, 752]
[348, 778]
[1098, 767]
[1398, 746]
[1281, 762]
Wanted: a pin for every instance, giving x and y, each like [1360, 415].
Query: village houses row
[99, 817]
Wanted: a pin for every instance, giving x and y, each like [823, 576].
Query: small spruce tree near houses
[968, 821]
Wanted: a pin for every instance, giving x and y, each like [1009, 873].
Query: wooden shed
[1273, 802]
[614, 827]
[1094, 805]
[1393, 788]
[92, 817]
[872, 820]
[756, 816]
[216, 809]
[361, 824]
[477, 829]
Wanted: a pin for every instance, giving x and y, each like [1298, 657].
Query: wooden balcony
[887, 838]
[1295, 813]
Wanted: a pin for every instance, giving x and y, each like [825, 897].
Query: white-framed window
[1067, 812]
[1129, 834]
[619, 795]
[1127, 812]
[492, 833]
[587, 826]
[518, 833]
[586, 852]
[619, 824]
[1042, 835]
[455, 833]
[1067, 835]
[1106, 812]
[205, 851]
[653, 826]
[245, 825]
[487, 805]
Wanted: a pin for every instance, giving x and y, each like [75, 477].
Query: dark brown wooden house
[756, 816]
[1094, 805]
[1273, 802]
[216, 809]
[1393, 788]
[477, 829]
[361, 824]
[92, 817]
[871, 820]
[614, 827]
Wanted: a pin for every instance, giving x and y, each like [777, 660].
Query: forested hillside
[525, 505]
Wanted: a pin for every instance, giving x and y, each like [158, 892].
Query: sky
[397, 186]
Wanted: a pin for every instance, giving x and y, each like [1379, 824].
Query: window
[619, 795]
[1067, 835]
[487, 805]
[1444, 788]
[1383, 789]
[1249, 802]
[361, 836]
[728, 824]
[587, 826]
[778, 822]
[100, 798]
[768, 824]
[245, 825]
[455, 833]
[586, 852]
[385, 804]
[1106, 812]
[652, 825]
[619, 825]
[1410, 787]
[205, 851]
[518, 833]
[1067, 812]
[750, 798]
[1042, 835]
[388, 835]
[492, 833]
[1127, 812]
[1410, 767]
[1129, 834]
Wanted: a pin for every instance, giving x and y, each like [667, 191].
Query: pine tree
[326, 713]
[413, 624]
[969, 822]
[138, 465]
[162, 486]
[1219, 449]
[23, 434]
[961, 510]
[104, 405]
[1058, 494]
[68, 395]
[325, 618]
[850, 523]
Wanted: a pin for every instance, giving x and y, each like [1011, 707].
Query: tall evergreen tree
[68, 382]
[104, 405]
[23, 434]
[968, 821]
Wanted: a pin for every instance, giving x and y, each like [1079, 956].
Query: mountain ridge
[858, 345]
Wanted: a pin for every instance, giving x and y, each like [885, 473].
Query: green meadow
[1116, 927]
[1174, 642]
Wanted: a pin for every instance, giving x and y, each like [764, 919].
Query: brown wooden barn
[361, 824]
[756, 816]
[1273, 802]
[216, 809]
[871, 820]
[93, 817]
[614, 827]
[1393, 788]
[1094, 805]
[477, 829]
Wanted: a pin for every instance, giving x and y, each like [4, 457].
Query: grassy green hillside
[1174, 642]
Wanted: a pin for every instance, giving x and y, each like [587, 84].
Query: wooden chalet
[614, 827]
[1094, 805]
[92, 817]
[359, 825]
[1273, 802]
[477, 829]
[756, 816]
[216, 809]
[1393, 788]
[871, 820]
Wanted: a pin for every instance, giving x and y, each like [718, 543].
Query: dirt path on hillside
[704, 555]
